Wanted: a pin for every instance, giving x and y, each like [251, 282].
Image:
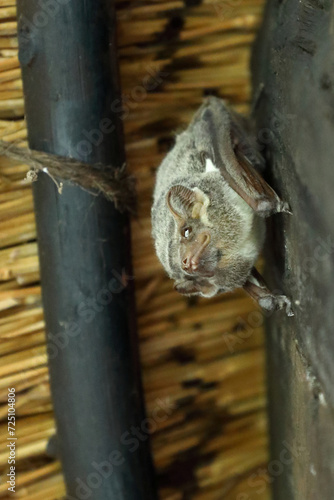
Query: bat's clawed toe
[285, 207]
[256, 287]
[276, 302]
[266, 207]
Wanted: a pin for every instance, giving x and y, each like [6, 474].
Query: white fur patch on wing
[209, 166]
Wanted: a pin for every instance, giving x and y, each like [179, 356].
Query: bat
[209, 208]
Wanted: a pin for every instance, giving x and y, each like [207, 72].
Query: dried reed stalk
[205, 359]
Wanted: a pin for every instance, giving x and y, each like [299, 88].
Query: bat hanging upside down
[210, 203]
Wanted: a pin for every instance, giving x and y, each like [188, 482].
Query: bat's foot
[256, 287]
[265, 208]
[276, 302]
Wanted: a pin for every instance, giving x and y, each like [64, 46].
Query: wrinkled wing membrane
[221, 135]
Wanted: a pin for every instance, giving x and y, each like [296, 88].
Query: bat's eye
[186, 232]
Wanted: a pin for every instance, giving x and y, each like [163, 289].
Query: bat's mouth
[200, 273]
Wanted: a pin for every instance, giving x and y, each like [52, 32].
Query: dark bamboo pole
[68, 58]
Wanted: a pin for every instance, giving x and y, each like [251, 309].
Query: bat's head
[210, 250]
[189, 207]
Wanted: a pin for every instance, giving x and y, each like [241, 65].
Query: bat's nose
[188, 264]
[191, 260]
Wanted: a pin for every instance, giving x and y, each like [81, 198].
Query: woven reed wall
[204, 358]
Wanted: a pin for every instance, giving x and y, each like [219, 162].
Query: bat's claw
[285, 303]
[285, 207]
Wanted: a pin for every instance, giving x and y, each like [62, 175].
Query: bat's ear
[184, 202]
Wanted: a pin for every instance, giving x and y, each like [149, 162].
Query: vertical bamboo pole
[68, 59]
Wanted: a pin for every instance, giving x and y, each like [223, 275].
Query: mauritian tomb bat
[209, 208]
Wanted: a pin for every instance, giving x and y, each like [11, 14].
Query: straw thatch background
[205, 357]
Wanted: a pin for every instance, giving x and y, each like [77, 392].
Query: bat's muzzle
[191, 260]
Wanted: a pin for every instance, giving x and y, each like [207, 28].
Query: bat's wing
[243, 141]
[220, 135]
